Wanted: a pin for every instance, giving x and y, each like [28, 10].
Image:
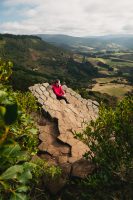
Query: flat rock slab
[71, 118]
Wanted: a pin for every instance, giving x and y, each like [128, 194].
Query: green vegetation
[110, 138]
[15, 169]
[19, 174]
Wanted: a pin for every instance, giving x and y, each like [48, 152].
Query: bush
[110, 138]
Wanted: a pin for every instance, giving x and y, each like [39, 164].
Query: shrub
[110, 138]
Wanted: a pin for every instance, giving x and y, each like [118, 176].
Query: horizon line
[61, 34]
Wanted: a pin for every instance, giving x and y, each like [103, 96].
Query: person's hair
[57, 80]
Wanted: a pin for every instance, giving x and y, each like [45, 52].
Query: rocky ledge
[56, 136]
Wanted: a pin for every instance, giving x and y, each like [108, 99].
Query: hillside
[116, 42]
[37, 61]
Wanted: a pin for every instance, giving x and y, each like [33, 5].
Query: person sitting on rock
[57, 88]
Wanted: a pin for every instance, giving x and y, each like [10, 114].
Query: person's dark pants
[62, 97]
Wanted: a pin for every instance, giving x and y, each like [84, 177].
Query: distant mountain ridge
[107, 42]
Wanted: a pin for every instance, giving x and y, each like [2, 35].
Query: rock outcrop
[58, 143]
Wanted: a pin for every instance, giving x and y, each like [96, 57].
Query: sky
[69, 17]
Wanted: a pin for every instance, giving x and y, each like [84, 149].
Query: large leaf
[12, 154]
[12, 172]
[11, 150]
[22, 188]
[19, 196]
[25, 176]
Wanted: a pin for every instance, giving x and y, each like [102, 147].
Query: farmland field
[118, 90]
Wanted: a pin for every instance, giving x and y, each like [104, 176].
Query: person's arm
[62, 91]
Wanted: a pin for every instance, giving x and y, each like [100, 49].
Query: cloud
[73, 17]
[128, 28]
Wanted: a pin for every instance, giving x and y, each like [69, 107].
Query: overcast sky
[71, 17]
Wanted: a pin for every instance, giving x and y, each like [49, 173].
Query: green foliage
[15, 171]
[110, 138]
[24, 129]
[18, 143]
[5, 70]
[43, 168]
[25, 132]
[8, 114]
[14, 181]
[41, 176]
[26, 101]
[17, 105]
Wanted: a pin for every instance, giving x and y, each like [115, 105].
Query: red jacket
[58, 90]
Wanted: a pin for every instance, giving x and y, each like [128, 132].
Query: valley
[115, 72]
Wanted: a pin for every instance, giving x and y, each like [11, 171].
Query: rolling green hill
[37, 61]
